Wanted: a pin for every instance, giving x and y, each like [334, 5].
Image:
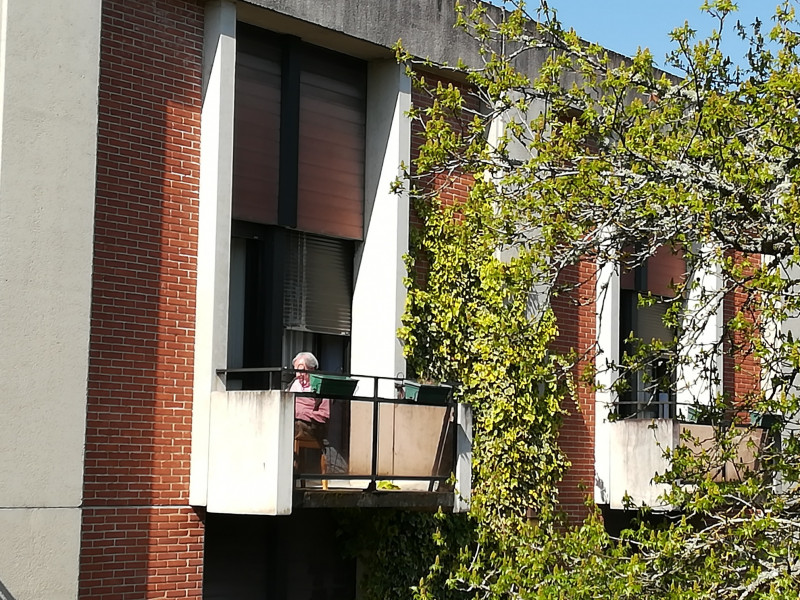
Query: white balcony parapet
[639, 445]
[251, 445]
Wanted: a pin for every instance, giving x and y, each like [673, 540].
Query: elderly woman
[310, 414]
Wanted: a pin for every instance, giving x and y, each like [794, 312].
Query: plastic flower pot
[422, 392]
[332, 385]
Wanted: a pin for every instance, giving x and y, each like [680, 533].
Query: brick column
[140, 537]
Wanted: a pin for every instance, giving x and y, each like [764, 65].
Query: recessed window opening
[651, 390]
[298, 197]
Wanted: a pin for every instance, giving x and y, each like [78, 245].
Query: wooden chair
[309, 442]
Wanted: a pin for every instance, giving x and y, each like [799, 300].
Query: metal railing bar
[250, 370]
[345, 477]
[375, 407]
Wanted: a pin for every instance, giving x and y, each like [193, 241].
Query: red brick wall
[577, 330]
[140, 537]
[741, 375]
[141, 552]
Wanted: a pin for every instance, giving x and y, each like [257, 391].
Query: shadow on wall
[296, 557]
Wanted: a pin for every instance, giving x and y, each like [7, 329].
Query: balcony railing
[376, 440]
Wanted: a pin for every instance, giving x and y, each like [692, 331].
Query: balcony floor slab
[425, 501]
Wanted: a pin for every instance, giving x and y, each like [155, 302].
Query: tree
[595, 160]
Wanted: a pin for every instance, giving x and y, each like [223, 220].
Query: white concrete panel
[251, 453]
[637, 447]
[213, 254]
[39, 558]
[49, 69]
[607, 311]
[379, 294]
[463, 487]
[703, 306]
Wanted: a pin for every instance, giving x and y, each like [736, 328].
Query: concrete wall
[250, 453]
[214, 234]
[49, 54]
[39, 557]
[637, 450]
[373, 26]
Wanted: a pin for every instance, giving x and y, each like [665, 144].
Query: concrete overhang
[368, 29]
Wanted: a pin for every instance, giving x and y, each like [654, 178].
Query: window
[298, 197]
[299, 136]
[651, 391]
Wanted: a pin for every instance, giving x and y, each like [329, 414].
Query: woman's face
[302, 375]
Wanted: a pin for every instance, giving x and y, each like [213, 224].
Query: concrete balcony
[379, 450]
[636, 448]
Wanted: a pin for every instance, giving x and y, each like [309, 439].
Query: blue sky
[623, 25]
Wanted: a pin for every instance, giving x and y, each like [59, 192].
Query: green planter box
[333, 385]
[421, 392]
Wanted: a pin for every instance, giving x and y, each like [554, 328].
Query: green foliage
[471, 323]
[402, 550]
[593, 158]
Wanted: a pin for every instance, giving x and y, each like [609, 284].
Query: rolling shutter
[330, 186]
[256, 133]
[299, 136]
[650, 323]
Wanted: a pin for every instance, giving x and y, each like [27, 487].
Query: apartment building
[191, 192]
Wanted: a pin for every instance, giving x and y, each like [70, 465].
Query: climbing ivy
[592, 159]
[471, 323]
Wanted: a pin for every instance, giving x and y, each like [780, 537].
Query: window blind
[318, 286]
[650, 323]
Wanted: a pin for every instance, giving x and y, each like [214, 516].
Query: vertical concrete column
[379, 294]
[608, 344]
[704, 305]
[463, 466]
[776, 332]
[49, 72]
[213, 254]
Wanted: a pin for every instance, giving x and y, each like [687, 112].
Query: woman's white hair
[309, 360]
